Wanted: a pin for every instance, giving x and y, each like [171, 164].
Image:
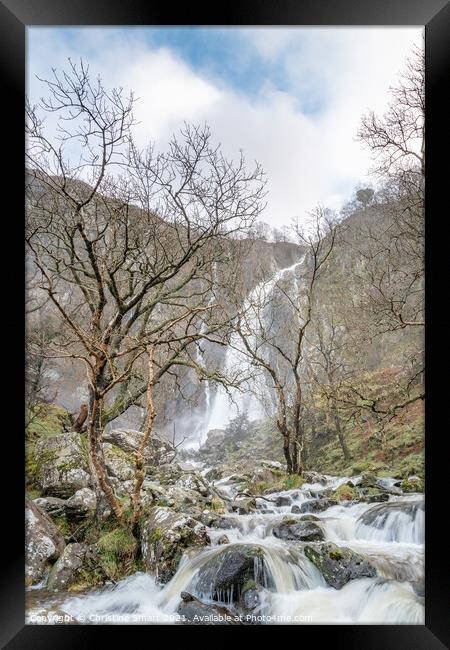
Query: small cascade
[388, 535]
[395, 521]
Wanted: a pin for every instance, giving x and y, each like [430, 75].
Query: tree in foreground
[124, 243]
[271, 333]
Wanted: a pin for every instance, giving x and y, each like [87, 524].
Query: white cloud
[309, 157]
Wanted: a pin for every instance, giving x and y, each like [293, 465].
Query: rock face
[197, 613]
[82, 504]
[118, 463]
[157, 451]
[51, 505]
[165, 535]
[227, 574]
[61, 462]
[339, 565]
[66, 569]
[314, 477]
[304, 531]
[317, 505]
[43, 543]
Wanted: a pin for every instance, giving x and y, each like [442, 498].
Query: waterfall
[223, 409]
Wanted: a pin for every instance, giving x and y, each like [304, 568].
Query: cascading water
[223, 409]
[389, 535]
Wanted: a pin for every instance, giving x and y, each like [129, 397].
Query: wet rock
[377, 515]
[223, 539]
[165, 535]
[250, 599]
[376, 498]
[66, 569]
[419, 587]
[295, 509]
[309, 518]
[304, 531]
[283, 501]
[43, 543]
[61, 462]
[227, 573]
[244, 506]
[197, 613]
[339, 565]
[82, 504]
[317, 505]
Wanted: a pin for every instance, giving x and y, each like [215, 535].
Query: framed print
[228, 223]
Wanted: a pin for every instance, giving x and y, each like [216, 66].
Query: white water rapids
[390, 535]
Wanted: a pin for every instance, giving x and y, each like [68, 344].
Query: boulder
[82, 504]
[223, 539]
[43, 543]
[303, 531]
[214, 474]
[118, 463]
[244, 506]
[338, 565]
[165, 535]
[317, 505]
[314, 477]
[227, 573]
[283, 501]
[51, 505]
[197, 613]
[61, 462]
[157, 451]
[66, 569]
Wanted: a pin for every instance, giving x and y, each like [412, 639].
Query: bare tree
[125, 242]
[271, 332]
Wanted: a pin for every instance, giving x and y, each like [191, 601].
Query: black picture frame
[15, 16]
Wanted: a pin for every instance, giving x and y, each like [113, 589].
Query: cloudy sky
[291, 98]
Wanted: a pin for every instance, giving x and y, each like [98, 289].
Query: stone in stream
[66, 569]
[303, 531]
[165, 535]
[228, 573]
[295, 509]
[309, 518]
[283, 501]
[43, 543]
[195, 612]
[223, 539]
[317, 505]
[338, 565]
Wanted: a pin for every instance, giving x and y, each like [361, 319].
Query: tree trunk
[341, 437]
[139, 456]
[100, 479]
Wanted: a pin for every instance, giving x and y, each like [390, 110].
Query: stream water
[390, 535]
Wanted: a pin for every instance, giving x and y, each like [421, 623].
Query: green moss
[47, 419]
[345, 493]
[335, 555]
[293, 481]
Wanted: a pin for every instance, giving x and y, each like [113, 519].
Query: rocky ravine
[221, 545]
